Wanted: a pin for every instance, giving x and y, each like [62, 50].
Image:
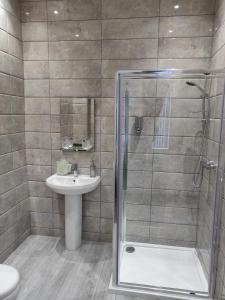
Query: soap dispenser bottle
[93, 171]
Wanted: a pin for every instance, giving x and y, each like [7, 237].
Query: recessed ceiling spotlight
[77, 35]
[170, 31]
[56, 12]
[27, 13]
[176, 6]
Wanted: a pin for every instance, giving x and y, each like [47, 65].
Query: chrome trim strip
[116, 233]
[167, 72]
[217, 208]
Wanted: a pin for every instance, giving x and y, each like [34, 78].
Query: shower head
[191, 83]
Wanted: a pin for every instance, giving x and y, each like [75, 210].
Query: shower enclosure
[167, 182]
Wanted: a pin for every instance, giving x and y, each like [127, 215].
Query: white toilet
[9, 282]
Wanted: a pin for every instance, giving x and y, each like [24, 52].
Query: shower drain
[130, 249]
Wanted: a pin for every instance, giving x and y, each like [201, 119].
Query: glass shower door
[165, 128]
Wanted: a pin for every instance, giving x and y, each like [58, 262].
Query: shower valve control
[210, 165]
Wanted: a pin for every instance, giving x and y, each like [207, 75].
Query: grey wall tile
[91, 209]
[35, 106]
[75, 88]
[172, 232]
[35, 50]
[41, 219]
[130, 28]
[38, 157]
[36, 69]
[137, 230]
[139, 179]
[74, 50]
[36, 88]
[110, 67]
[15, 47]
[14, 26]
[3, 22]
[123, 9]
[40, 204]
[74, 30]
[4, 41]
[174, 163]
[34, 11]
[140, 144]
[174, 215]
[142, 162]
[192, 7]
[39, 173]
[142, 107]
[183, 63]
[184, 47]
[18, 141]
[19, 159]
[129, 41]
[15, 66]
[91, 224]
[138, 212]
[75, 69]
[38, 140]
[107, 125]
[93, 196]
[107, 210]
[6, 163]
[123, 49]
[107, 143]
[107, 160]
[138, 196]
[107, 193]
[74, 10]
[174, 181]
[35, 31]
[39, 189]
[174, 198]
[106, 226]
[186, 26]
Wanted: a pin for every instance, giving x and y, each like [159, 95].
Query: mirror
[77, 124]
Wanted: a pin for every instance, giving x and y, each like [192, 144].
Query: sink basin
[73, 188]
[70, 185]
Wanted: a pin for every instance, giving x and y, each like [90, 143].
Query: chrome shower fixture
[138, 125]
[204, 94]
[200, 165]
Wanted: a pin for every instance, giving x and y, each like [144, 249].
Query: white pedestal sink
[73, 188]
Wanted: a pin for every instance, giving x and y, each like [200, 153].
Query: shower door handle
[126, 128]
[211, 165]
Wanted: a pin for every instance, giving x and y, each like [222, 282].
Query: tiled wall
[73, 49]
[14, 201]
[161, 200]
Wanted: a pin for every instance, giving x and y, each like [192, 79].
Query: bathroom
[112, 149]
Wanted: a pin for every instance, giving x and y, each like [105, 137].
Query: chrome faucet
[74, 169]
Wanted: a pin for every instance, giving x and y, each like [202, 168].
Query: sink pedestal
[73, 188]
[73, 221]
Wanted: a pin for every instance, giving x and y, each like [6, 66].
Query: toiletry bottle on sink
[93, 171]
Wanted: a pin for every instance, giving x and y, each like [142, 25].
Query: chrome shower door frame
[119, 213]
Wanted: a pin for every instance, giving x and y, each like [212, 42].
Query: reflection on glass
[77, 124]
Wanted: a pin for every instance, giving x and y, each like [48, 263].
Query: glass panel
[170, 133]
[77, 124]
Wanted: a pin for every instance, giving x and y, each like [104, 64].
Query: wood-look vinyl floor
[49, 272]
